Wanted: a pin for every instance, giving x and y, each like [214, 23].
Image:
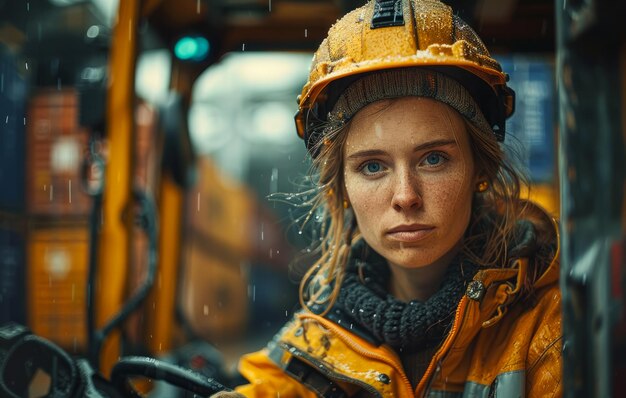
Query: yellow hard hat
[390, 34]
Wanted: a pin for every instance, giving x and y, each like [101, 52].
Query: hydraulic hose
[159, 370]
[148, 217]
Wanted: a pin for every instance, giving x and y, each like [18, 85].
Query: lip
[409, 232]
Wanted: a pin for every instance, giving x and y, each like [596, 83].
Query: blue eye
[434, 159]
[373, 167]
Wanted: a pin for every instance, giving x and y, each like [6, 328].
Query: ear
[481, 182]
[480, 176]
[345, 197]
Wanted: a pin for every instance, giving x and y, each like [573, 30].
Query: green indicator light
[192, 48]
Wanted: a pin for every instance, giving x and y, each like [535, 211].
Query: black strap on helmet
[387, 13]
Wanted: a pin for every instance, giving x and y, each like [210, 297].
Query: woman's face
[409, 177]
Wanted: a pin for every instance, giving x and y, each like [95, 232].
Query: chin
[413, 258]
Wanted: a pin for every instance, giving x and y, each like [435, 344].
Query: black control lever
[158, 370]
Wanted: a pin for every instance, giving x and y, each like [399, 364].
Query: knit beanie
[402, 82]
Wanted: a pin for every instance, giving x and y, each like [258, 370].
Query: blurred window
[533, 123]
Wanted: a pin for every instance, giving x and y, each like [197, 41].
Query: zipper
[349, 340]
[322, 367]
[435, 363]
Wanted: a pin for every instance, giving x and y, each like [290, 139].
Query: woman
[435, 278]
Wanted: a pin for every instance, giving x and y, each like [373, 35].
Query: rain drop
[274, 180]
[243, 47]
[306, 33]
[378, 130]
[26, 63]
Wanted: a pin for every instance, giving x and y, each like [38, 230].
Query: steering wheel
[25, 357]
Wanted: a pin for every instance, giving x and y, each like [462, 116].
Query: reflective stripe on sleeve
[506, 385]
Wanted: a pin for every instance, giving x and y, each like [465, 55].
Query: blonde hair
[485, 246]
[337, 229]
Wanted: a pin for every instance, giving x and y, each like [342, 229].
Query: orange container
[222, 210]
[214, 293]
[56, 146]
[56, 284]
[218, 242]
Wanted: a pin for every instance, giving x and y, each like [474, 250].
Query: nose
[406, 194]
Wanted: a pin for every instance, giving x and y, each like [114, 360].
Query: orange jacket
[498, 347]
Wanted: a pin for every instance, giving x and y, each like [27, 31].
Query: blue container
[12, 134]
[12, 282]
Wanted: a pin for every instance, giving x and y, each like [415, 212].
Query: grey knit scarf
[407, 327]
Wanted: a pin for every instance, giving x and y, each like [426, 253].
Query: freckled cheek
[361, 200]
[450, 200]
[363, 210]
[362, 194]
[365, 200]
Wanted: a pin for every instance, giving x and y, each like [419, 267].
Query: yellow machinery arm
[117, 196]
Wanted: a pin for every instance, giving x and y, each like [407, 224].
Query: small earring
[346, 204]
[482, 186]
